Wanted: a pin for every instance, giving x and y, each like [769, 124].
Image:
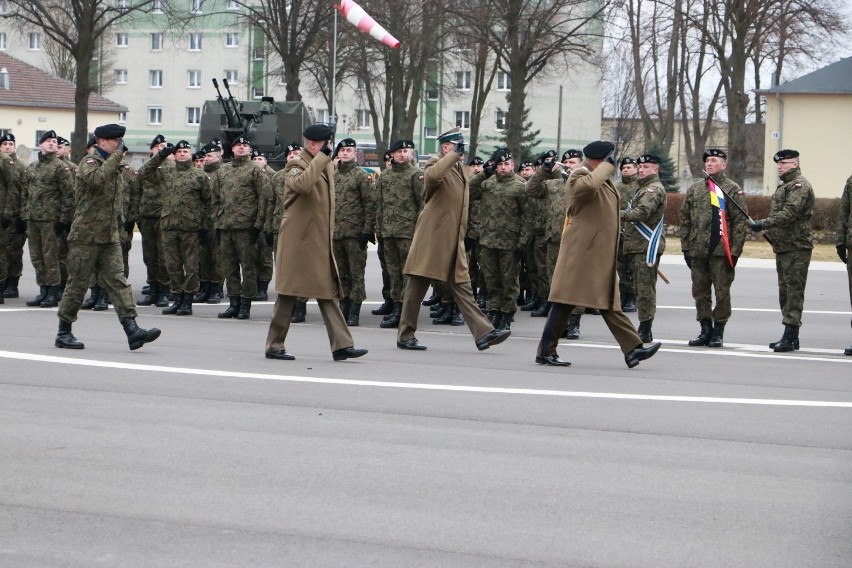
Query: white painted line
[419, 386]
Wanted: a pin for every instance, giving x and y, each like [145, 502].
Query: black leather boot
[494, 317]
[136, 336]
[705, 334]
[163, 296]
[150, 298]
[52, 298]
[262, 294]
[345, 305]
[774, 344]
[542, 310]
[354, 319]
[572, 331]
[384, 309]
[245, 309]
[11, 290]
[444, 315]
[531, 305]
[2, 290]
[505, 322]
[629, 304]
[185, 308]
[718, 334]
[172, 310]
[203, 293]
[232, 310]
[645, 331]
[458, 318]
[431, 300]
[65, 339]
[392, 320]
[300, 310]
[42, 294]
[103, 300]
[215, 293]
[94, 291]
[790, 340]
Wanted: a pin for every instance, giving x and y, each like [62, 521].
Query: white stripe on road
[418, 386]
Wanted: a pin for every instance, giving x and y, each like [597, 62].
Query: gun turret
[236, 110]
[225, 106]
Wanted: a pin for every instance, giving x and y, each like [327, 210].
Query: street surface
[196, 451]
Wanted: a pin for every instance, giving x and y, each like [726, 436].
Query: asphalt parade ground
[196, 451]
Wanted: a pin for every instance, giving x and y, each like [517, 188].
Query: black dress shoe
[282, 354]
[348, 353]
[412, 344]
[553, 360]
[493, 337]
[640, 354]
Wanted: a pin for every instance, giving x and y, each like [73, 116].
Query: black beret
[571, 154]
[648, 159]
[476, 161]
[110, 131]
[525, 164]
[240, 140]
[347, 143]
[198, 156]
[785, 155]
[626, 161]
[158, 139]
[715, 152]
[318, 133]
[543, 156]
[8, 137]
[210, 147]
[501, 155]
[598, 150]
[47, 136]
[169, 145]
[62, 141]
[387, 156]
[91, 141]
[401, 145]
[215, 142]
[293, 146]
[255, 152]
[183, 145]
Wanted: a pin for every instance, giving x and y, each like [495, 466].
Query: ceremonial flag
[718, 220]
[356, 16]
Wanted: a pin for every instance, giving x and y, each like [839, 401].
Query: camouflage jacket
[147, 196]
[13, 190]
[276, 203]
[505, 222]
[844, 217]
[697, 215]
[399, 200]
[538, 217]
[131, 178]
[50, 190]
[185, 197]
[626, 190]
[789, 220]
[101, 185]
[354, 201]
[214, 173]
[648, 205]
[243, 197]
[549, 190]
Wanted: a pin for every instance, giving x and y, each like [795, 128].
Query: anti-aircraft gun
[268, 124]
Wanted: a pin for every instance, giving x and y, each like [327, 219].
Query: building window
[121, 76]
[430, 132]
[500, 120]
[4, 7]
[3, 41]
[195, 41]
[463, 80]
[322, 115]
[155, 115]
[155, 78]
[361, 85]
[34, 41]
[462, 118]
[157, 41]
[39, 134]
[122, 117]
[193, 79]
[362, 118]
[232, 39]
[193, 115]
[259, 54]
[431, 93]
[257, 92]
[504, 81]
[282, 78]
[121, 39]
[157, 7]
[196, 6]
[231, 76]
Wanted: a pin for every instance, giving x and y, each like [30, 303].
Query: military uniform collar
[212, 167]
[629, 179]
[648, 180]
[240, 160]
[400, 167]
[346, 167]
[185, 165]
[790, 175]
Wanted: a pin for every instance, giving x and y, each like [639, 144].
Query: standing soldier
[48, 210]
[471, 241]
[399, 199]
[710, 257]
[355, 213]
[13, 176]
[209, 271]
[94, 247]
[241, 208]
[146, 203]
[264, 248]
[645, 239]
[844, 236]
[626, 190]
[789, 225]
[537, 253]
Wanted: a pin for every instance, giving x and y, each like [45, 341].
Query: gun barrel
[224, 104]
[235, 109]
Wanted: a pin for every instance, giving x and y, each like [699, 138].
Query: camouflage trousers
[380, 251]
[646, 286]
[104, 264]
[126, 245]
[626, 277]
[237, 253]
[501, 269]
[396, 253]
[152, 250]
[45, 251]
[477, 279]
[792, 269]
[181, 254]
[541, 281]
[552, 255]
[709, 275]
[15, 252]
[351, 264]
[4, 262]
[208, 258]
[264, 258]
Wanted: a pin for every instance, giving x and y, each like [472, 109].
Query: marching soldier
[626, 190]
[13, 177]
[844, 236]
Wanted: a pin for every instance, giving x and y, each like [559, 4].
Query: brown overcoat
[437, 249]
[305, 264]
[585, 272]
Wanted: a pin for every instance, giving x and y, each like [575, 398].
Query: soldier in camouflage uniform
[626, 190]
[647, 206]
[471, 243]
[537, 250]
[789, 229]
[504, 234]
[529, 275]
[185, 210]
[354, 218]
[399, 199]
[13, 230]
[711, 270]
[94, 247]
[241, 209]
[844, 236]
[48, 209]
[264, 246]
[209, 270]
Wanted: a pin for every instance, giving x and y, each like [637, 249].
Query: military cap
[255, 152]
[785, 155]
[110, 131]
[714, 152]
[240, 140]
[158, 139]
[401, 145]
[207, 148]
[347, 143]
[626, 162]
[8, 137]
[543, 156]
[571, 154]
[598, 150]
[215, 142]
[450, 136]
[293, 146]
[648, 159]
[318, 133]
[183, 145]
[525, 164]
[501, 155]
[387, 156]
[476, 161]
[47, 136]
[198, 156]
[91, 141]
[62, 141]
[169, 145]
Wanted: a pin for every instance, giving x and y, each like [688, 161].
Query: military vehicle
[268, 124]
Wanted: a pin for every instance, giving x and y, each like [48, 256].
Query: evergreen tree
[668, 175]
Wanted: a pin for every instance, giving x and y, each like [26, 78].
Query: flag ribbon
[718, 221]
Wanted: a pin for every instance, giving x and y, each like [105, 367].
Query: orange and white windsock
[358, 17]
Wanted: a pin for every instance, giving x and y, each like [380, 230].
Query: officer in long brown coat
[585, 273]
[437, 249]
[305, 264]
